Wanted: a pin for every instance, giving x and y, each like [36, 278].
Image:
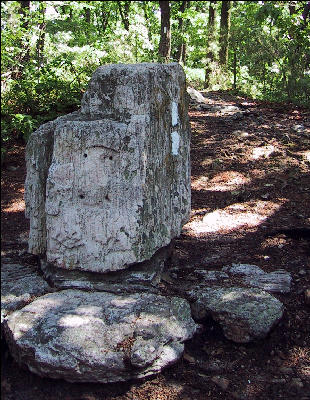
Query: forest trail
[250, 189]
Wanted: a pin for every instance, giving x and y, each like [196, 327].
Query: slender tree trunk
[165, 33]
[210, 45]
[87, 15]
[224, 32]
[41, 38]
[105, 15]
[235, 69]
[306, 13]
[25, 54]
[124, 11]
[181, 52]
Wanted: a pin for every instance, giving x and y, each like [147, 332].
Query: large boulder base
[109, 185]
[244, 314]
[99, 337]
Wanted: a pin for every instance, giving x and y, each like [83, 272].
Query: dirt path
[250, 180]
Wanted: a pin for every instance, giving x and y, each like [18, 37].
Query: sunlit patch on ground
[16, 206]
[262, 152]
[222, 182]
[299, 357]
[239, 215]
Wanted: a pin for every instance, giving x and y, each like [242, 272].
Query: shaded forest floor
[250, 177]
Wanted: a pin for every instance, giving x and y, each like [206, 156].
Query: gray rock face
[273, 282]
[19, 286]
[116, 174]
[99, 337]
[244, 314]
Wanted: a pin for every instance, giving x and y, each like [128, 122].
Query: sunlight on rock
[262, 152]
[123, 302]
[73, 321]
[233, 217]
[222, 182]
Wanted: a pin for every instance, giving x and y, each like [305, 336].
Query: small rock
[221, 382]
[278, 380]
[240, 133]
[298, 128]
[244, 314]
[302, 272]
[195, 95]
[307, 296]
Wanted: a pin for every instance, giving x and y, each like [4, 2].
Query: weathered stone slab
[99, 337]
[117, 173]
[144, 276]
[19, 286]
[244, 314]
[39, 152]
[274, 282]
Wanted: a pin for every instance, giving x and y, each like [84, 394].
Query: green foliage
[49, 51]
[273, 50]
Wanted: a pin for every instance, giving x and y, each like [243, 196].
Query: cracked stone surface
[116, 174]
[99, 337]
[244, 314]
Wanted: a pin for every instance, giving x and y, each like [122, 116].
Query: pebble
[298, 128]
[278, 380]
[221, 382]
[307, 296]
[302, 272]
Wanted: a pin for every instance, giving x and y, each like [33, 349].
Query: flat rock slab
[144, 276]
[274, 282]
[99, 337]
[249, 275]
[244, 314]
[19, 286]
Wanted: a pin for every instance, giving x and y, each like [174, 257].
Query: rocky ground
[250, 191]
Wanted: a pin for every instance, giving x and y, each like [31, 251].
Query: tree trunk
[210, 47]
[41, 38]
[181, 52]
[235, 69]
[105, 15]
[165, 33]
[124, 11]
[224, 32]
[25, 55]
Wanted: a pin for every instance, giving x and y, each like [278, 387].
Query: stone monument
[107, 189]
[109, 185]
